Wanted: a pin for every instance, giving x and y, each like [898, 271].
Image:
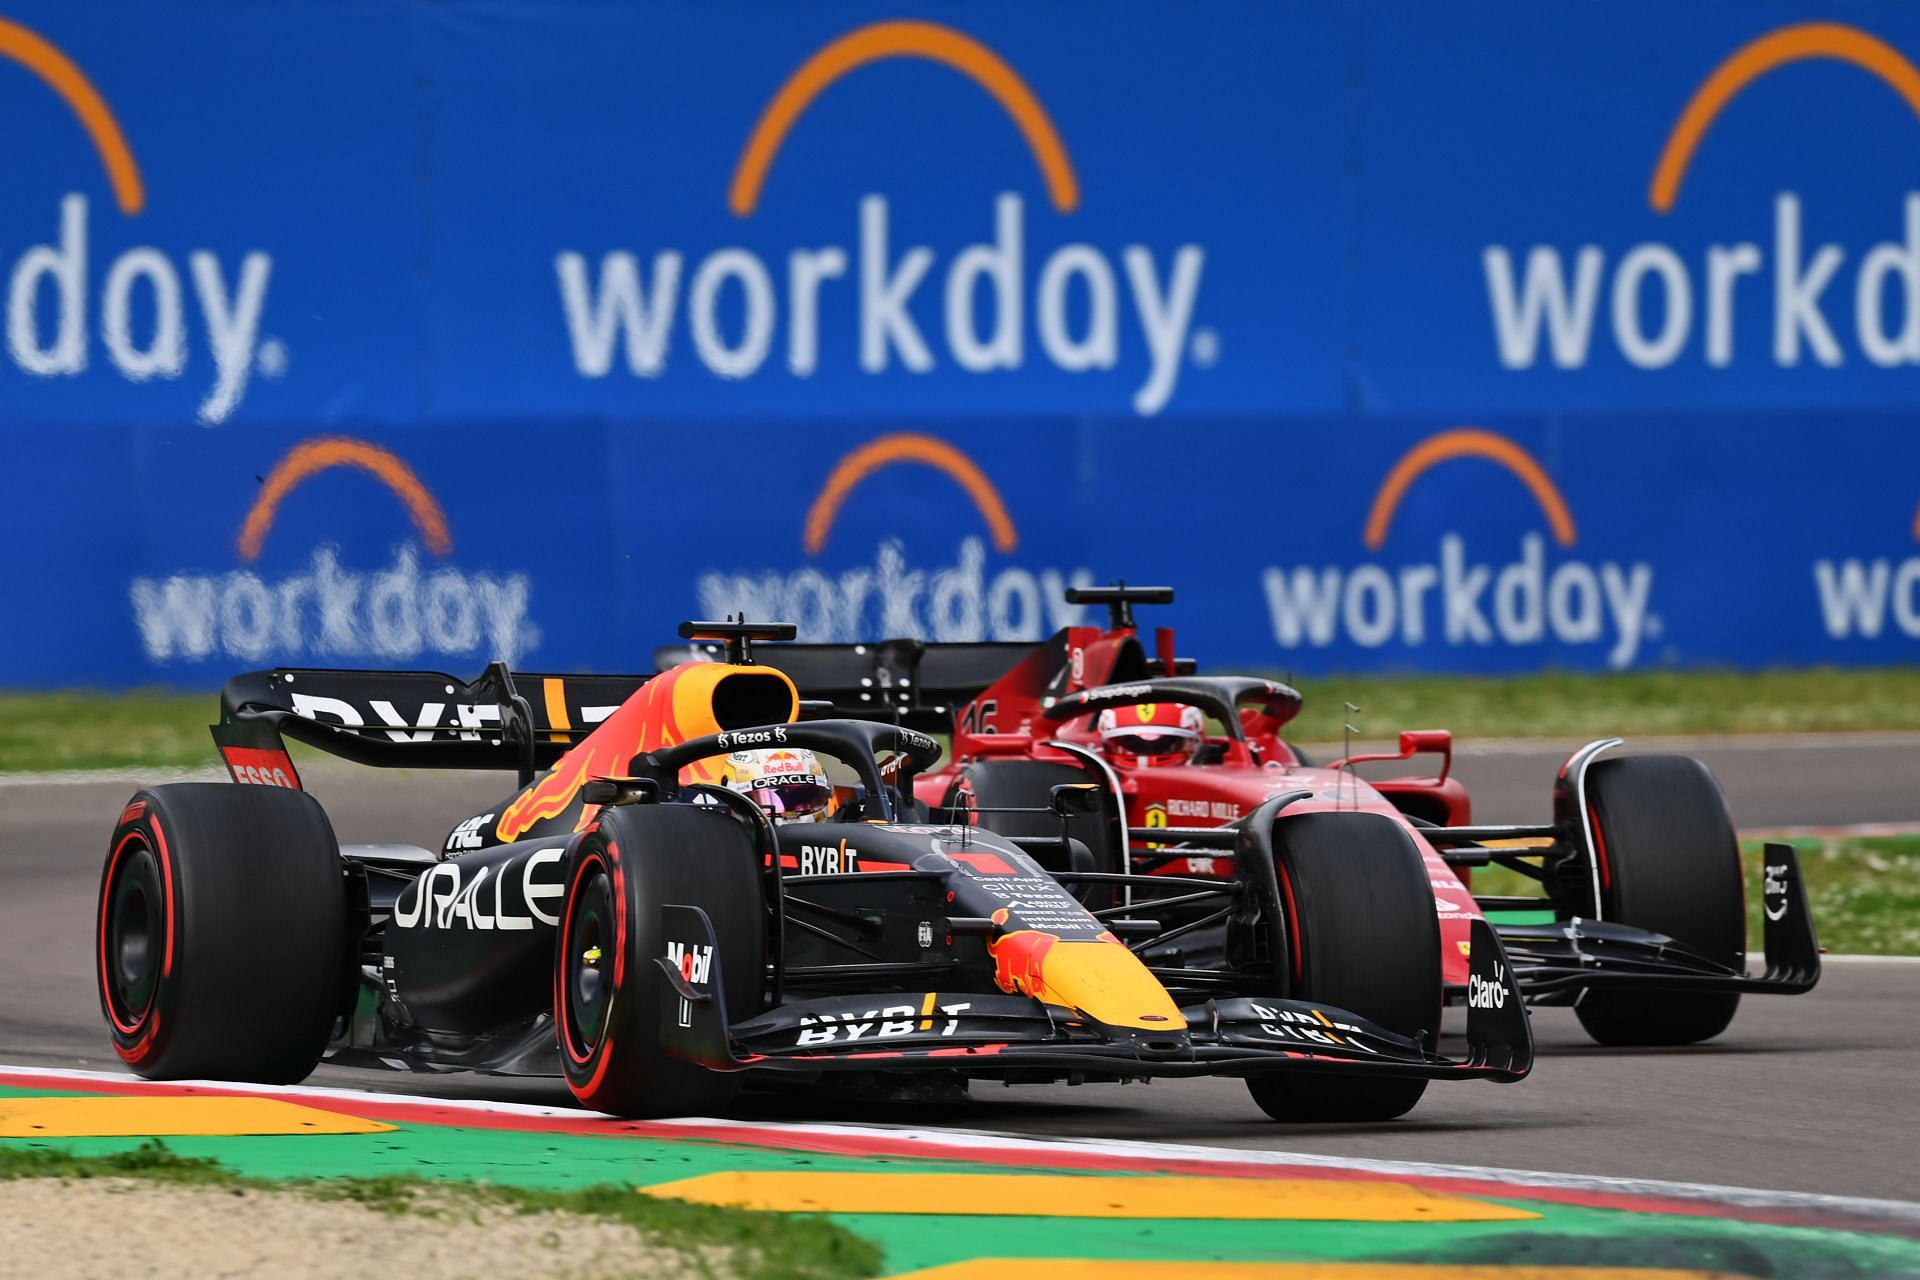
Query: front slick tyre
[220, 949]
[1363, 937]
[609, 993]
[1672, 865]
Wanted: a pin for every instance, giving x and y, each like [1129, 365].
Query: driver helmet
[1153, 732]
[787, 782]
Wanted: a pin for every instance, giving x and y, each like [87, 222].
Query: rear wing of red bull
[906, 682]
[927, 686]
[510, 720]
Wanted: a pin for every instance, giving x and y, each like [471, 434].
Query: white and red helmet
[787, 782]
[1153, 732]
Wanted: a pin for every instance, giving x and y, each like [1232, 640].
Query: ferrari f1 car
[1639, 922]
[655, 938]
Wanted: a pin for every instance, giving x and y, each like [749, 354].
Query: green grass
[1864, 892]
[1631, 704]
[41, 731]
[773, 1246]
[50, 731]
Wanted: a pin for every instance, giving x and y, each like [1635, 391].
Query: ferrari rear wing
[502, 719]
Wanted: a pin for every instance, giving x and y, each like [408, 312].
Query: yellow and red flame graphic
[1099, 978]
[672, 707]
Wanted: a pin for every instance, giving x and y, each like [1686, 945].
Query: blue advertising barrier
[1398, 337]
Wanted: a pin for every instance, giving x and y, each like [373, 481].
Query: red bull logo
[775, 762]
[1456, 599]
[959, 602]
[1829, 304]
[328, 609]
[1864, 598]
[146, 299]
[1020, 961]
[1066, 310]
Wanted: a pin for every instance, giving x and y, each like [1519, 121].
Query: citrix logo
[1076, 292]
[139, 281]
[1663, 303]
[1456, 599]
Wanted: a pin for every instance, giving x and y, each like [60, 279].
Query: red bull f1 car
[1639, 921]
[623, 921]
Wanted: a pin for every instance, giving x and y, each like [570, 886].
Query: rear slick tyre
[608, 992]
[220, 949]
[1670, 863]
[1364, 937]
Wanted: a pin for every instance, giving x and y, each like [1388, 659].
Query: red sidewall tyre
[608, 991]
[220, 947]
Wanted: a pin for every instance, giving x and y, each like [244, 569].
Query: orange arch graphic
[1760, 57]
[58, 71]
[312, 457]
[1467, 442]
[907, 446]
[875, 43]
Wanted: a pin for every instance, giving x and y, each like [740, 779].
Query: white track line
[1870, 959]
[1841, 831]
[1866, 740]
[1878, 740]
[961, 1143]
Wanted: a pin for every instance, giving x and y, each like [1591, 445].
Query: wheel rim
[131, 953]
[590, 940]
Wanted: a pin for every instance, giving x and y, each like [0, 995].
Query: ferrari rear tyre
[1669, 862]
[221, 942]
[608, 990]
[1362, 936]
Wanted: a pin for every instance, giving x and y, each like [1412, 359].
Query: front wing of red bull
[1001, 1035]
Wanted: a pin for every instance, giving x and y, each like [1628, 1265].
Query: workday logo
[328, 609]
[1859, 597]
[1449, 596]
[1830, 303]
[1000, 309]
[68, 294]
[891, 598]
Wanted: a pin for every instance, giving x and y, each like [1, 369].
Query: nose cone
[1102, 979]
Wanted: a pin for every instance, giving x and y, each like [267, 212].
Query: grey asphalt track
[1816, 1093]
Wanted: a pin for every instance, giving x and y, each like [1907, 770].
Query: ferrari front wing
[1554, 962]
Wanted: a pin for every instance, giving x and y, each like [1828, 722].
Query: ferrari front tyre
[1668, 862]
[608, 990]
[1014, 798]
[221, 948]
[1363, 936]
